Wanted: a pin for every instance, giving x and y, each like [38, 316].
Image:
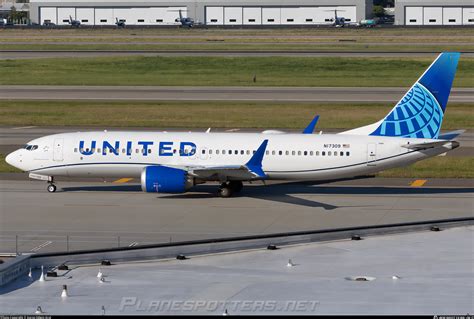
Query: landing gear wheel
[225, 191]
[236, 186]
[51, 188]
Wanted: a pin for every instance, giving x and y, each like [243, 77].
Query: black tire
[51, 188]
[225, 192]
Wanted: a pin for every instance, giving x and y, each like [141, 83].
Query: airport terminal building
[209, 12]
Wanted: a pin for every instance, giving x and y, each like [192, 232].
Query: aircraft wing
[252, 170]
[224, 172]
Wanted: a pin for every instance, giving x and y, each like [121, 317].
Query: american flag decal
[346, 145]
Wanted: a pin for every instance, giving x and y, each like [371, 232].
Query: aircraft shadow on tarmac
[283, 192]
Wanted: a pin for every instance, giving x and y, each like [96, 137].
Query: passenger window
[236, 152]
[123, 150]
[242, 152]
[217, 152]
[287, 153]
[335, 153]
[248, 152]
[310, 153]
[149, 151]
[273, 152]
[299, 153]
[305, 153]
[267, 152]
[293, 153]
[98, 150]
[210, 151]
[280, 153]
[341, 153]
[323, 153]
[136, 151]
[329, 153]
[348, 154]
[80, 150]
[203, 151]
[317, 153]
[75, 150]
[230, 152]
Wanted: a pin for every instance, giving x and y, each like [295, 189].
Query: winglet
[255, 162]
[310, 128]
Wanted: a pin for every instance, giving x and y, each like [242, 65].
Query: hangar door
[214, 15]
[271, 15]
[233, 15]
[452, 16]
[252, 15]
[64, 15]
[413, 15]
[85, 15]
[468, 16]
[432, 15]
[48, 14]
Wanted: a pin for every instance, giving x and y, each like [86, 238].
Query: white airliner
[174, 162]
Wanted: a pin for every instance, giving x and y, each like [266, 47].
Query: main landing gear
[51, 187]
[228, 188]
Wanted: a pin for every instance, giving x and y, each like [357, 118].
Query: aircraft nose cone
[12, 159]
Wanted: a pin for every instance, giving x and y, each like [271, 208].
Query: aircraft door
[371, 154]
[58, 149]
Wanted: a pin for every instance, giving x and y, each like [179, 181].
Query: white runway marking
[133, 244]
[46, 243]
[22, 127]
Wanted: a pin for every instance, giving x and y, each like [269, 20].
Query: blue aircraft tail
[419, 114]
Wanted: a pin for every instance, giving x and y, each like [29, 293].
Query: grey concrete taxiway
[192, 93]
[36, 54]
[87, 215]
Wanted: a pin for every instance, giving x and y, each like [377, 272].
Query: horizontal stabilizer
[450, 135]
[424, 146]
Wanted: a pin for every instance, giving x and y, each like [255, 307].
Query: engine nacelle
[162, 179]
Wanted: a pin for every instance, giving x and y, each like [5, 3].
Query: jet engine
[162, 179]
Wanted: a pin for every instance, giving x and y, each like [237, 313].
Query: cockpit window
[30, 147]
